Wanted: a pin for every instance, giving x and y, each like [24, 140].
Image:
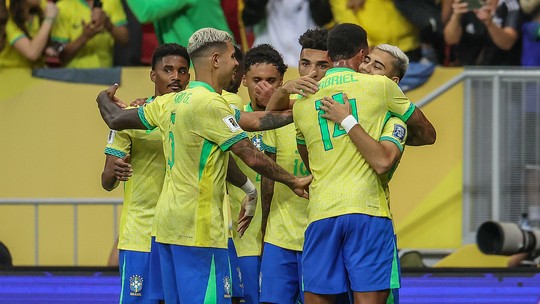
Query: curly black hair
[314, 39]
[265, 53]
[345, 40]
[169, 49]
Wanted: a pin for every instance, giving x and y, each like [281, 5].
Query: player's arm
[116, 169]
[114, 116]
[381, 156]
[236, 177]
[264, 120]
[421, 131]
[267, 193]
[302, 150]
[263, 165]
[303, 86]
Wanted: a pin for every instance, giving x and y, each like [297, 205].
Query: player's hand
[485, 14]
[334, 110]
[90, 30]
[247, 211]
[122, 168]
[111, 91]
[300, 186]
[304, 85]
[138, 102]
[459, 8]
[263, 92]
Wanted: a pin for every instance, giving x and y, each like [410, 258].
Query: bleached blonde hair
[401, 61]
[206, 37]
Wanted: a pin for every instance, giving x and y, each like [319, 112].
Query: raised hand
[304, 85]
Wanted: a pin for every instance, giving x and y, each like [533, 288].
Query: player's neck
[346, 63]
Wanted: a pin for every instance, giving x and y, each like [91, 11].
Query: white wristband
[348, 123]
[249, 188]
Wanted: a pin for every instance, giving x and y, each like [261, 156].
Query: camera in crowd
[504, 238]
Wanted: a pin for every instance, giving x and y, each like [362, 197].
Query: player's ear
[215, 58]
[244, 80]
[153, 76]
[395, 79]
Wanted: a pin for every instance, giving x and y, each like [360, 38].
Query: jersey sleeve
[150, 113]
[395, 130]
[13, 32]
[116, 13]
[219, 124]
[269, 141]
[118, 143]
[398, 104]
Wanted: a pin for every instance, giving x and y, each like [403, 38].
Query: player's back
[198, 126]
[343, 182]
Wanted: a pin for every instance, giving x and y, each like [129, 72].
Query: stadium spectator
[175, 21]
[4, 15]
[530, 55]
[371, 14]
[487, 35]
[27, 33]
[270, 17]
[87, 31]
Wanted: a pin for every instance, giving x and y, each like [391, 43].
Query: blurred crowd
[106, 33]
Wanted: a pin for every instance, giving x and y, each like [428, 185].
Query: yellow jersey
[197, 127]
[343, 182]
[98, 51]
[9, 56]
[287, 220]
[142, 190]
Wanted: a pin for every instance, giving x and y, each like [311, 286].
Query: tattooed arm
[264, 120]
[263, 165]
[114, 116]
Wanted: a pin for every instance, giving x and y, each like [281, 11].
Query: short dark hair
[5, 256]
[169, 49]
[315, 39]
[265, 53]
[346, 40]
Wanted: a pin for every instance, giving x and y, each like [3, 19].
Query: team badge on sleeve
[399, 132]
[231, 123]
[110, 138]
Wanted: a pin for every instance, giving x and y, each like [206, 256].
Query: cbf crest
[257, 141]
[399, 132]
[227, 287]
[135, 285]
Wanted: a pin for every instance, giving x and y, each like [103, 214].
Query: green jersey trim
[407, 114]
[337, 70]
[195, 84]
[231, 141]
[114, 152]
[391, 139]
[210, 296]
[300, 141]
[145, 122]
[237, 114]
[205, 153]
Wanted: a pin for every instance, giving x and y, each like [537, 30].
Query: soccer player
[264, 70]
[198, 128]
[144, 176]
[284, 216]
[383, 156]
[350, 238]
